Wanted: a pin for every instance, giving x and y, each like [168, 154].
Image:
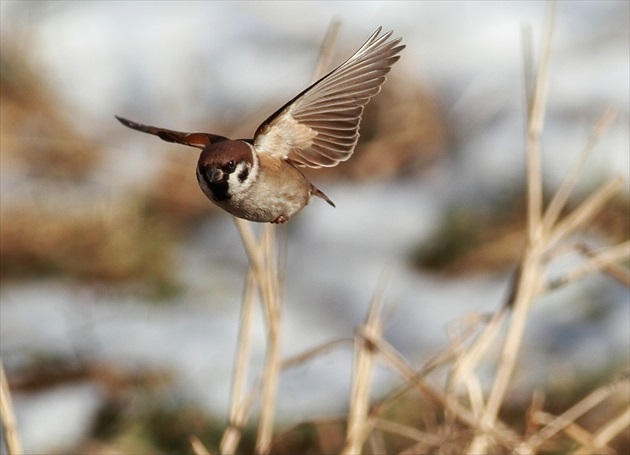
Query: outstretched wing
[199, 140]
[320, 126]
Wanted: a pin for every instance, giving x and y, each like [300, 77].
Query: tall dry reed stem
[197, 446]
[264, 279]
[547, 236]
[579, 409]
[544, 231]
[359, 426]
[239, 404]
[529, 281]
[264, 275]
[7, 416]
[561, 196]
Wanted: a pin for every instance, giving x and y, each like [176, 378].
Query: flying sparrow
[258, 179]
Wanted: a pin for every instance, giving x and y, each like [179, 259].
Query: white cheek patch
[242, 178]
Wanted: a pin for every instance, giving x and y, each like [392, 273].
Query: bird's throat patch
[218, 189]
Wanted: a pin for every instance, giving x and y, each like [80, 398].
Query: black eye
[231, 166]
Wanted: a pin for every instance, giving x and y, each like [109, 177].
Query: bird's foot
[281, 219]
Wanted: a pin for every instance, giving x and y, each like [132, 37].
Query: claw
[281, 219]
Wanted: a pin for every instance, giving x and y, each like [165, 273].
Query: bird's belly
[271, 198]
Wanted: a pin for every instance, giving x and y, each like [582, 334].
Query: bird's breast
[279, 190]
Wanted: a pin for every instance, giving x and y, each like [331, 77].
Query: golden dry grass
[460, 416]
[464, 418]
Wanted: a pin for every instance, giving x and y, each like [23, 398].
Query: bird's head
[226, 168]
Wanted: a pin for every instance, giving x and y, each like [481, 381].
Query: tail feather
[319, 193]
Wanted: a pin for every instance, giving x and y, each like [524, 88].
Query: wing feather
[320, 126]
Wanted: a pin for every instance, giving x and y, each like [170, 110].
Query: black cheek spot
[242, 176]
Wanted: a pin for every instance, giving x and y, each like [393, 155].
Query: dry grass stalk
[621, 274]
[197, 446]
[263, 264]
[7, 416]
[265, 277]
[543, 232]
[527, 284]
[443, 358]
[561, 196]
[469, 379]
[535, 408]
[535, 122]
[574, 432]
[271, 373]
[435, 396]
[468, 360]
[528, 66]
[456, 348]
[359, 425]
[597, 262]
[585, 211]
[547, 236]
[604, 260]
[239, 407]
[527, 287]
[406, 432]
[376, 442]
[314, 352]
[602, 437]
[571, 414]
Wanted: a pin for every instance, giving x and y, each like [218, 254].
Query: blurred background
[121, 284]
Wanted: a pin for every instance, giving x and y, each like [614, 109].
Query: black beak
[215, 174]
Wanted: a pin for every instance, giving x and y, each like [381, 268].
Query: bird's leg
[281, 219]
